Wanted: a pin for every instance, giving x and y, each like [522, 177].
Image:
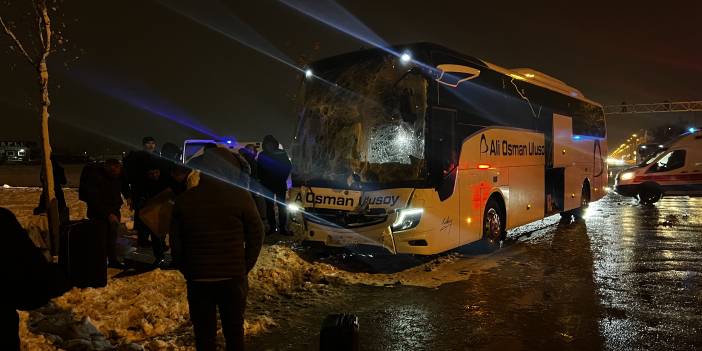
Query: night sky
[142, 65]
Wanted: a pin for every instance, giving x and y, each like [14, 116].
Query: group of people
[224, 203]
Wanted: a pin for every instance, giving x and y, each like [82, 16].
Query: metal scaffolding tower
[627, 109]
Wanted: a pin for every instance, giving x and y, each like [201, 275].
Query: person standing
[171, 152]
[101, 188]
[274, 168]
[155, 183]
[59, 182]
[216, 236]
[136, 166]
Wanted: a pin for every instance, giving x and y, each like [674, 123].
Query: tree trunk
[51, 202]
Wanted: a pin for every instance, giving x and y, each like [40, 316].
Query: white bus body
[527, 170]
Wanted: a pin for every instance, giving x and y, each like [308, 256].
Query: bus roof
[528, 75]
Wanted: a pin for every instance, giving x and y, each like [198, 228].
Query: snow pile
[133, 308]
[281, 271]
[151, 309]
[22, 201]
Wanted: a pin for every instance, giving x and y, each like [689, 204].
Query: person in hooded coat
[274, 168]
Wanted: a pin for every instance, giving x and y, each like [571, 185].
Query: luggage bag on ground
[83, 253]
[339, 333]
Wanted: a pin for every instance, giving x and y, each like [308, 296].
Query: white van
[192, 147]
[677, 170]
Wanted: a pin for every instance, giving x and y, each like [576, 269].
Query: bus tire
[494, 223]
[649, 194]
[578, 213]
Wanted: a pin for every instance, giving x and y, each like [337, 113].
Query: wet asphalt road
[626, 278]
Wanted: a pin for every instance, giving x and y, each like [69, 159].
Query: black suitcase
[339, 333]
[83, 253]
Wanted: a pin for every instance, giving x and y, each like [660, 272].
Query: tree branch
[47, 29]
[39, 24]
[17, 42]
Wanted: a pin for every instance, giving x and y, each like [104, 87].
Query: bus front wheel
[494, 223]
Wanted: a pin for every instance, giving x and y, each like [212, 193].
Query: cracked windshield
[363, 124]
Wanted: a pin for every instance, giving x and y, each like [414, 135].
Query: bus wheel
[493, 223]
[649, 194]
[584, 203]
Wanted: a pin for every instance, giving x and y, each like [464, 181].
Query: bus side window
[441, 139]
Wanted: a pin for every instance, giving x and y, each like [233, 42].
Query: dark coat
[136, 164]
[32, 279]
[102, 193]
[274, 169]
[216, 231]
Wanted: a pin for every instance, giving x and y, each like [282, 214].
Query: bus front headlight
[627, 176]
[407, 218]
[294, 208]
[295, 212]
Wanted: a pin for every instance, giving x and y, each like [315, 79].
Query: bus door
[565, 157]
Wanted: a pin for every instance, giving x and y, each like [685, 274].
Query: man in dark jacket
[102, 191]
[273, 170]
[216, 235]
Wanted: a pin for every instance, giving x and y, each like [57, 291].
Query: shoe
[117, 264]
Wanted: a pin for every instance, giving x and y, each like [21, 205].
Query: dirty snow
[150, 309]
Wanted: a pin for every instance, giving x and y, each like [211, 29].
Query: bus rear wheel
[578, 213]
[494, 224]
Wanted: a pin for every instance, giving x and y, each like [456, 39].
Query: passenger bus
[421, 149]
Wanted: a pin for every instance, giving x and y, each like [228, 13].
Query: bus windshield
[362, 125]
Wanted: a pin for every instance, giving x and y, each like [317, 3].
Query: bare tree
[37, 56]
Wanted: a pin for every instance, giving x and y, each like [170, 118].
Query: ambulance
[677, 170]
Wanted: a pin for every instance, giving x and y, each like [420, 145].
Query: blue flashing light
[229, 141]
[586, 137]
[692, 130]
